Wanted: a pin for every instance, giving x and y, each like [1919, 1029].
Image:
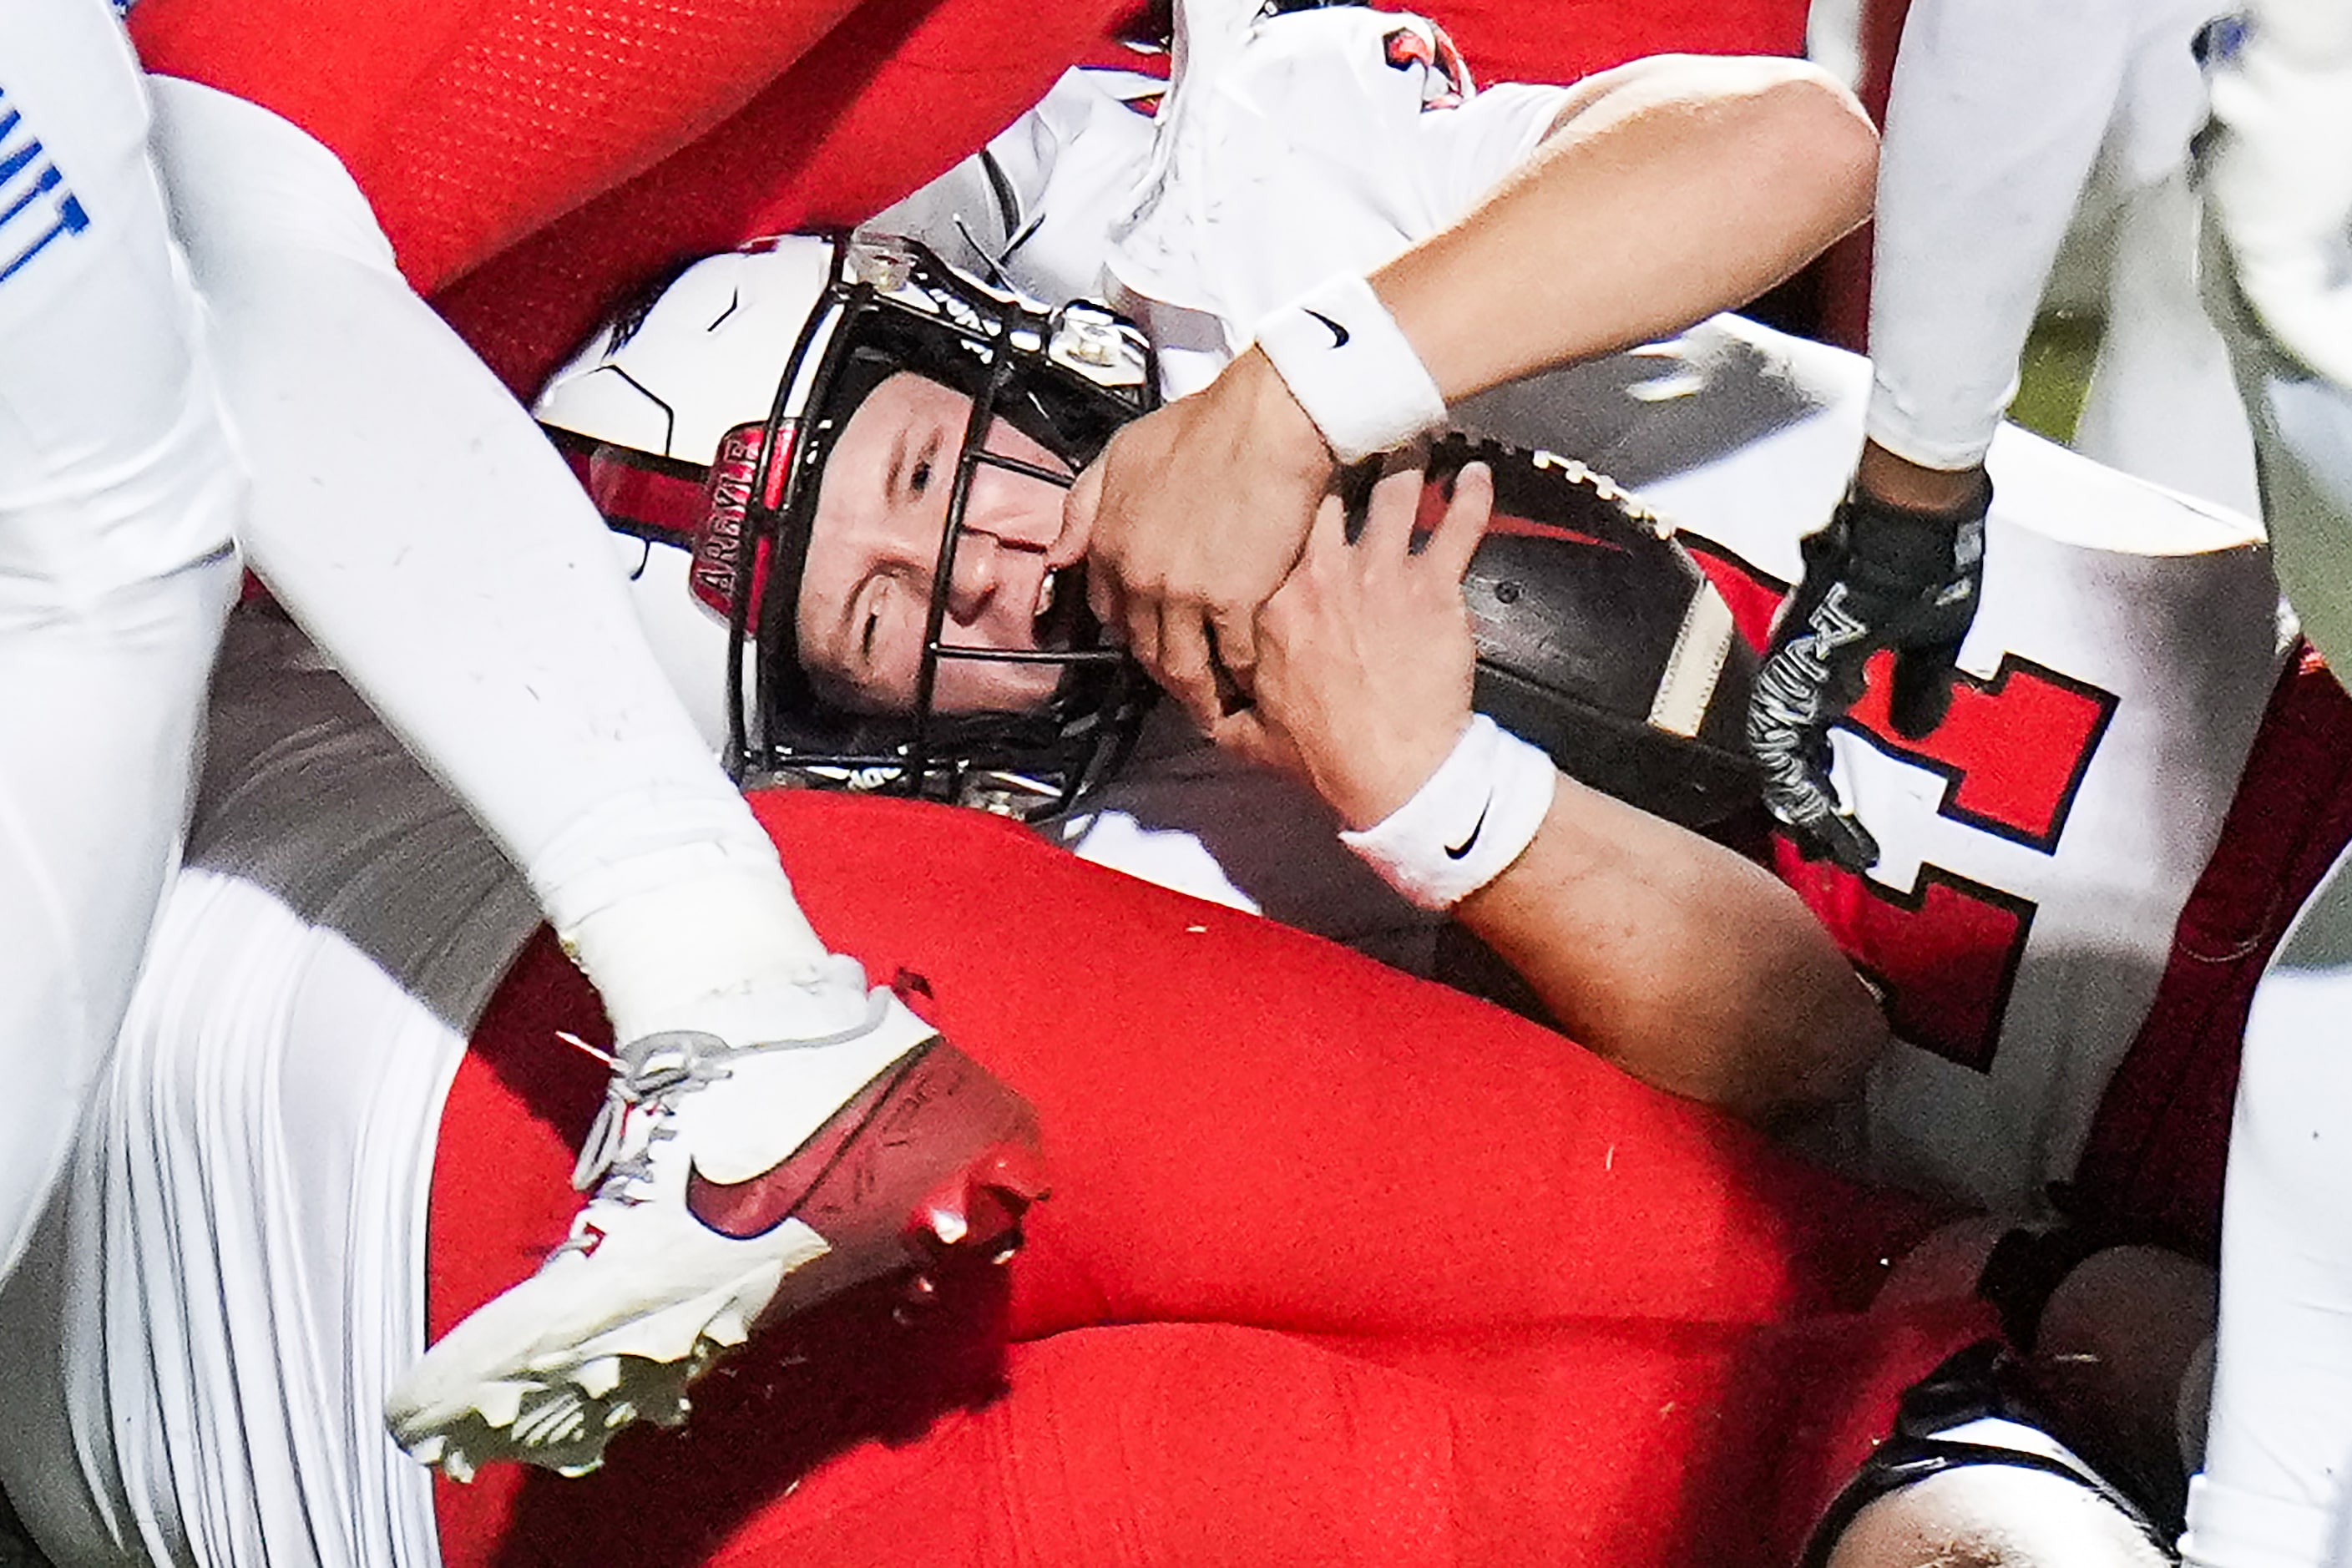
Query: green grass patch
[2056, 370]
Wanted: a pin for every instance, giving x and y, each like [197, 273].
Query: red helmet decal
[718, 537]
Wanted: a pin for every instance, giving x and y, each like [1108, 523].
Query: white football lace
[614, 1160]
[652, 1086]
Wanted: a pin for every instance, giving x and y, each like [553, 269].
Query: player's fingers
[1326, 551]
[1847, 843]
[1455, 539]
[1921, 693]
[1109, 605]
[1079, 505]
[1388, 518]
[1246, 733]
[1185, 664]
[1329, 530]
[1233, 634]
[1845, 674]
[1798, 793]
[1140, 616]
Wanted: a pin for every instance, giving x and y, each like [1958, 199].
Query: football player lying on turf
[1681, 123]
[1386, 1275]
[1624, 651]
[2039, 851]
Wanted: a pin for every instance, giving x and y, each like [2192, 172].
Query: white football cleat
[732, 1184]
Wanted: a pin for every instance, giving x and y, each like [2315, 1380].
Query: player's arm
[1668, 954]
[1687, 964]
[1997, 113]
[1666, 190]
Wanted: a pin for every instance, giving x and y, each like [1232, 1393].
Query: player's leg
[1248, 1125]
[1625, 1443]
[415, 522]
[2279, 1440]
[2273, 1494]
[228, 1279]
[2161, 403]
[419, 526]
[118, 491]
[473, 123]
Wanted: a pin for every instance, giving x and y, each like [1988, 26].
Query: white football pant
[119, 489]
[2276, 1490]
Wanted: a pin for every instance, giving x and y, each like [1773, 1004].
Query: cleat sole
[499, 1402]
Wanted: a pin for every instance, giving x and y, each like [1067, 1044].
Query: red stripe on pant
[1340, 1266]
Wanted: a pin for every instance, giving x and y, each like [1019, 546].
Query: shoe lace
[649, 1080]
[617, 1156]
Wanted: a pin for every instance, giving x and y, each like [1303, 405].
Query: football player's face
[881, 511]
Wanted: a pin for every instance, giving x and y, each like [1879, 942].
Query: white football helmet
[704, 418]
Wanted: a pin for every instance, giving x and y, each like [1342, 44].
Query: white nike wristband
[1347, 362]
[1462, 828]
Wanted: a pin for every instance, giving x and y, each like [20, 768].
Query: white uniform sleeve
[1036, 204]
[1996, 114]
[1293, 147]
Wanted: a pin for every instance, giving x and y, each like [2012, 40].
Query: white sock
[718, 947]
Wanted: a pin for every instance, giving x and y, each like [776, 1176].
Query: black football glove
[1879, 576]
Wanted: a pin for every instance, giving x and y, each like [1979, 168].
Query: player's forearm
[1672, 956]
[1669, 189]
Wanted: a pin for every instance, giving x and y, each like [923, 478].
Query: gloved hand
[1879, 576]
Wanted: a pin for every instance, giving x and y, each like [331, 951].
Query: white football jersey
[2037, 848]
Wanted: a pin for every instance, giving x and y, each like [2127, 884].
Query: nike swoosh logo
[757, 1205]
[1455, 851]
[1338, 332]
